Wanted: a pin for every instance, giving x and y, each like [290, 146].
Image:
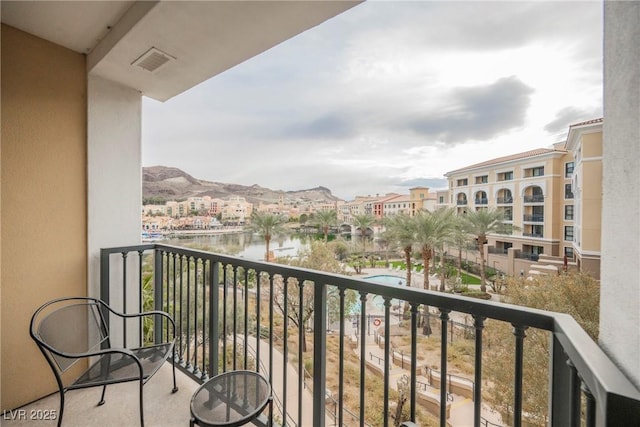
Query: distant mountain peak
[163, 183]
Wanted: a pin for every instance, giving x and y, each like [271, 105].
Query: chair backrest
[68, 326]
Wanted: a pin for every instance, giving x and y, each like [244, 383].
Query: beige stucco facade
[43, 156]
[552, 196]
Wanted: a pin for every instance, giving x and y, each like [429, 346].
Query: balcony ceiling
[200, 38]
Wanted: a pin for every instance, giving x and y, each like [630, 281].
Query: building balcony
[504, 200]
[232, 313]
[461, 202]
[498, 251]
[533, 218]
[481, 201]
[535, 235]
[536, 198]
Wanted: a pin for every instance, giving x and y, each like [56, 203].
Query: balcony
[498, 251]
[536, 235]
[536, 198]
[504, 200]
[218, 332]
[533, 218]
[461, 202]
[481, 201]
[527, 255]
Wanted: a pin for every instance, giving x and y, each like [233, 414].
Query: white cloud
[388, 93]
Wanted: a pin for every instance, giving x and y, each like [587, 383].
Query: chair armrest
[145, 313]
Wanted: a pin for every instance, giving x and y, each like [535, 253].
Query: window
[568, 233]
[568, 252]
[537, 171]
[568, 169]
[568, 212]
[505, 176]
[462, 182]
[568, 194]
[441, 199]
[482, 179]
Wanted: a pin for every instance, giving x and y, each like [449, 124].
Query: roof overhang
[193, 40]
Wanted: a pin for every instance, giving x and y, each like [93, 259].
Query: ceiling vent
[153, 59]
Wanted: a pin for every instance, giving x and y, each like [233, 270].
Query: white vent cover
[153, 59]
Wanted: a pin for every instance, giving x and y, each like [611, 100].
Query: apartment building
[536, 190]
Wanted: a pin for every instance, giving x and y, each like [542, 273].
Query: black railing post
[157, 294]
[214, 333]
[319, 353]
[559, 413]
[477, 386]
[105, 286]
[519, 332]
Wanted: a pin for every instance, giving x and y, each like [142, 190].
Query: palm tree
[401, 230]
[325, 219]
[267, 225]
[362, 222]
[459, 239]
[481, 223]
[432, 230]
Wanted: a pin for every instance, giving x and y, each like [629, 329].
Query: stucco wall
[43, 198]
[620, 288]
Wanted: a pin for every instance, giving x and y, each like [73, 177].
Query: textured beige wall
[43, 198]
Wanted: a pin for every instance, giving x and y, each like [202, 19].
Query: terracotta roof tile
[588, 122]
[517, 156]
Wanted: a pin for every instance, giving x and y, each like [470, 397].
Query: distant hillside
[164, 183]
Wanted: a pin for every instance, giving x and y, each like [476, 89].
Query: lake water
[244, 245]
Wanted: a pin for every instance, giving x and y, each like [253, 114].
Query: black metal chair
[71, 329]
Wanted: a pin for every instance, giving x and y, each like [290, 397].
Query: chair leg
[104, 390]
[141, 405]
[61, 408]
[173, 365]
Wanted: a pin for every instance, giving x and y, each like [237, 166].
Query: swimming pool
[385, 279]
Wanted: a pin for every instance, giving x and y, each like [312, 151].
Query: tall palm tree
[362, 222]
[267, 225]
[459, 239]
[325, 219]
[481, 223]
[432, 230]
[401, 230]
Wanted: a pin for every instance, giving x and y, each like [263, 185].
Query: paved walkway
[462, 408]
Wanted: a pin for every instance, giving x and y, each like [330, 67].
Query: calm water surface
[242, 244]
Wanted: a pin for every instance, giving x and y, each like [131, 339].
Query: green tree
[480, 224]
[432, 230]
[267, 225]
[401, 229]
[574, 294]
[324, 220]
[362, 222]
[317, 257]
[458, 239]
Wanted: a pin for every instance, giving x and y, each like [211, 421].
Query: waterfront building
[536, 191]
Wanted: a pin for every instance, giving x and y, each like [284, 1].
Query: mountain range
[163, 183]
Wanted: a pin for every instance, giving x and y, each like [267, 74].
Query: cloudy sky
[387, 96]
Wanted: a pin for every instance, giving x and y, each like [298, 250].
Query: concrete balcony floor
[121, 408]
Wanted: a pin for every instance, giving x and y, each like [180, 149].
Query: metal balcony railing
[533, 218]
[536, 235]
[504, 200]
[498, 251]
[461, 202]
[221, 302]
[527, 255]
[536, 198]
[481, 201]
